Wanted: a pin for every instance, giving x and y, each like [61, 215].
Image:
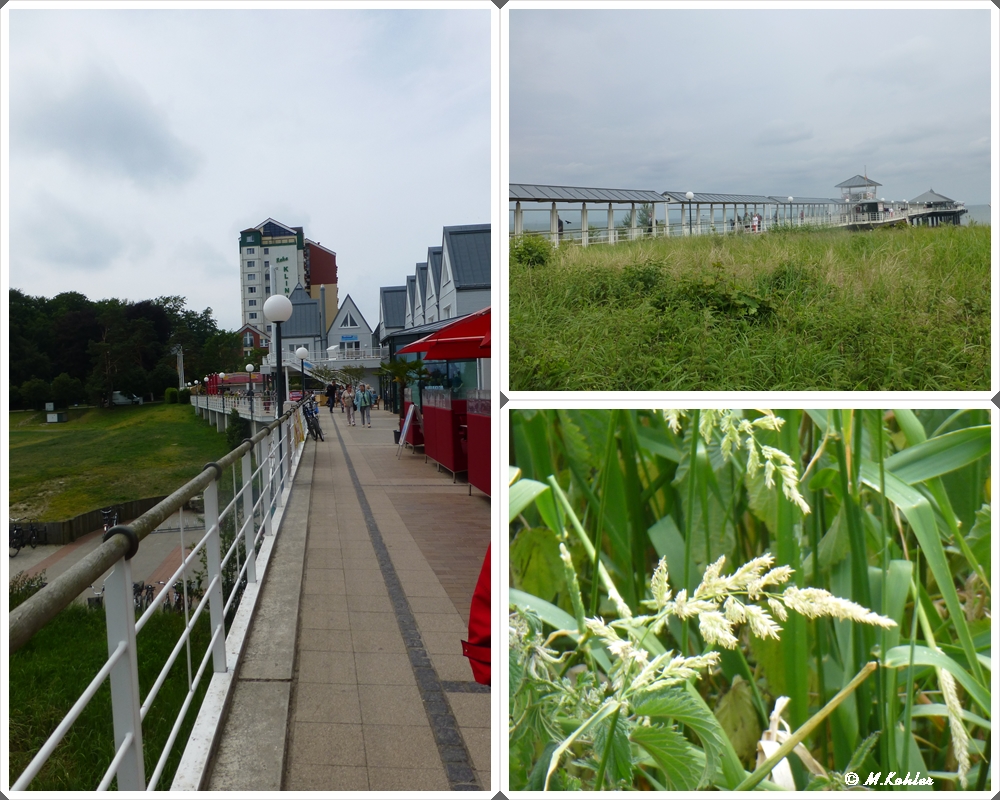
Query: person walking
[347, 398]
[365, 405]
[331, 395]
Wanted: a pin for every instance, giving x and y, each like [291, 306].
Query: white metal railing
[262, 403]
[254, 518]
[707, 226]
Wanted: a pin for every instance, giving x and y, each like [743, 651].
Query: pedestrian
[348, 400]
[365, 405]
[331, 395]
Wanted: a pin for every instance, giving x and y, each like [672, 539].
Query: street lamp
[302, 354]
[250, 391]
[278, 309]
[690, 197]
[218, 388]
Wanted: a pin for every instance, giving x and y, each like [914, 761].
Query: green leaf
[925, 657]
[836, 543]
[940, 455]
[675, 703]
[603, 712]
[535, 564]
[918, 513]
[738, 718]
[522, 494]
[515, 672]
[655, 442]
[619, 765]
[557, 618]
[672, 753]
[979, 539]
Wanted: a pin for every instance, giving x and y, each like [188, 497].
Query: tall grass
[902, 309]
[899, 522]
[48, 674]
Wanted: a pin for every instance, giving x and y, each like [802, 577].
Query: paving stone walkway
[353, 677]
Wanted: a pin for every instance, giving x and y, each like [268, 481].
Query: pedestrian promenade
[353, 676]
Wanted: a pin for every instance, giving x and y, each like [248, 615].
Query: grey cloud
[61, 235]
[106, 123]
[779, 133]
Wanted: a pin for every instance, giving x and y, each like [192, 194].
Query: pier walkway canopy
[683, 213]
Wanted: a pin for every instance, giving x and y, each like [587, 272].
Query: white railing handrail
[277, 457]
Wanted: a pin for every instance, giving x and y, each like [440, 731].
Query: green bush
[22, 586]
[67, 390]
[35, 393]
[184, 397]
[531, 251]
[237, 430]
[170, 395]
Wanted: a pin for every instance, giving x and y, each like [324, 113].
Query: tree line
[69, 349]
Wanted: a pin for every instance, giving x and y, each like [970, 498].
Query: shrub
[237, 430]
[35, 393]
[170, 395]
[531, 251]
[22, 586]
[66, 390]
[184, 396]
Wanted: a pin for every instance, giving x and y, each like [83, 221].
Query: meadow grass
[50, 672]
[104, 456]
[891, 309]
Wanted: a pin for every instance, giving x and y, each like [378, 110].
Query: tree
[66, 390]
[404, 372]
[353, 373]
[35, 393]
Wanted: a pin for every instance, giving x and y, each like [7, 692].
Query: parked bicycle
[37, 535]
[311, 412]
[109, 517]
[143, 595]
[16, 538]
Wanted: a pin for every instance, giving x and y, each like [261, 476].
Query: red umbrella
[468, 337]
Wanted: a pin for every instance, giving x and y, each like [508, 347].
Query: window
[251, 302]
[251, 290]
[252, 315]
[264, 342]
[268, 328]
[447, 313]
[267, 264]
[251, 277]
[265, 251]
[250, 264]
[249, 237]
[248, 339]
[348, 321]
[250, 251]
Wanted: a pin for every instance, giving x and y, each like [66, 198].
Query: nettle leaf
[675, 703]
[619, 765]
[682, 770]
[535, 564]
[515, 672]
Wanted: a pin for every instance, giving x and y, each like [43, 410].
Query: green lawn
[902, 309]
[104, 456]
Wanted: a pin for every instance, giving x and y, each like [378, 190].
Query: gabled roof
[305, 319]
[271, 227]
[392, 301]
[411, 285]
[251, 327]
[857, 182]
[711, 197]
[931, 197]
[434, 266]
[469, 255]
[349, 305]
[421, 283]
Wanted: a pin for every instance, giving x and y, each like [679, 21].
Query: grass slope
[901, 309]
[103, 456]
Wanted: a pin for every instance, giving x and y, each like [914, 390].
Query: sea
[978, 214]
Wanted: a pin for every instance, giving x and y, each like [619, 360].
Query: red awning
[468, 337]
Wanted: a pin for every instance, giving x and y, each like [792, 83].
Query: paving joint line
[448, 738]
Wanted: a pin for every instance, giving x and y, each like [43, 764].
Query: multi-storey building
[277, 257]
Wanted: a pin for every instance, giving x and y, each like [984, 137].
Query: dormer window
[348, 321]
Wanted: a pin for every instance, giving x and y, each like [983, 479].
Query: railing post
[213, 554]
[125, 705]
[266, 481]
[249, 519]
[287, 466]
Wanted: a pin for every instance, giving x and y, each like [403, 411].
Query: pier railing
[252, 518]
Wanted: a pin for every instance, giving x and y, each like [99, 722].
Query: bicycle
[311, 413]
[16, 540]
[35, 536]
[109, 517]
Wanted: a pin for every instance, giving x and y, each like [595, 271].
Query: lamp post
[302, 354]
[250, 394]
[218, 388]
[278, 309]
[690, 197]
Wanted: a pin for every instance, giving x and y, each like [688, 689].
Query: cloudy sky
[143, 141]
[769, 102]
